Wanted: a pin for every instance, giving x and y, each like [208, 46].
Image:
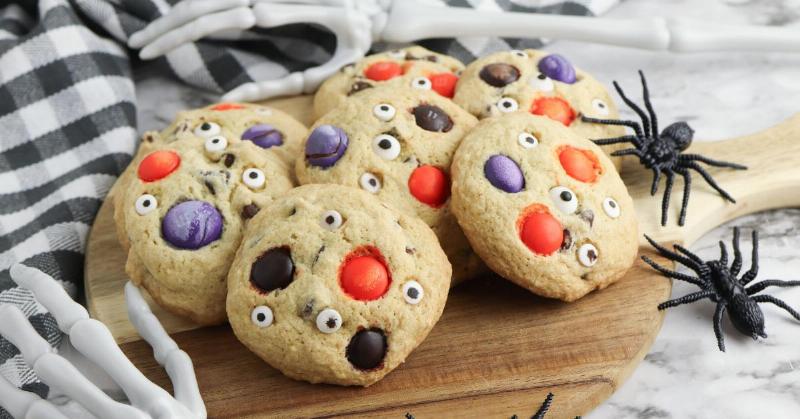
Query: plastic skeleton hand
[93, 340]
[357, 23]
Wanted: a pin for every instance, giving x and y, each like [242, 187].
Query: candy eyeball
[542, 83]
[421, 83]
[386, 146]
[329, 321]
[587, 255]
[254, 178]
[369, 183]
[331, 220]
[397, 54]
[216, 143]
[507, 104]
[600, 107]
[384, 111]
[519, 53]
[262, 316]
[413, 292]
[564, 199]
[206, 129]
[145, 204]
[611, 207]
[527, 140]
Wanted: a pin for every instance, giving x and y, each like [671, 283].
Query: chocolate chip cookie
[543, 207]
[331, 285]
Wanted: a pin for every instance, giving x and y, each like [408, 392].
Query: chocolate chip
[228, 160]
[432, 118]
[272, 270]
[499, 74]
[410, 250]
[432, 58]
[358, 86]
[210, 187]
[319, 252]
[250, 211]
[366, 349]
[308, 309]
[567, 243]
[588, 216]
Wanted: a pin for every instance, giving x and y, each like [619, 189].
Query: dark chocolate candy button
[273, 270]
[499, 74]
[229, 159]
[432, 118]
[358, 86]
[250, 211]
[366, 349]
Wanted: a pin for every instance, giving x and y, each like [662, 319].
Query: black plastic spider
[720, 284]
[543, 408]
[663, 153]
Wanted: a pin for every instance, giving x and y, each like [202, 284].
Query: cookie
[396, 143]
[181, 212]
[542, 84]
[413, 66]
[543, 207]
[331, 285]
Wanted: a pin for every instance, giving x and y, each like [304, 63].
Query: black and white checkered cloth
[68, 119]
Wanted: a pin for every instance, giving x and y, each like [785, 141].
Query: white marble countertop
[723, 96]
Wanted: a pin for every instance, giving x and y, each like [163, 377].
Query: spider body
[721, 284]
[663, 152]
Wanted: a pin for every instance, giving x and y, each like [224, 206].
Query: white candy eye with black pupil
[329, 321]
[369, 183]
[600, 107]
[145, 204]
[331, 220]
[519, 53]
[564, 199]
[217, 143]
[421, 83]
[262, 316]
[397, 54]
[611, 207]
[386, 146]
[413, 292]
[527, 140]
[507, 104]
[542, 83]
[206, 129]
[587, 255]
[254, 178]
[384, 111]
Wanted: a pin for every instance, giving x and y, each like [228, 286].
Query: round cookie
[331, 285]
[181, 212]
[542, 84]
[413, 66]
[543, 207]
[398, 144]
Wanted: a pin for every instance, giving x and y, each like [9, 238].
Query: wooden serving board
[498, 350]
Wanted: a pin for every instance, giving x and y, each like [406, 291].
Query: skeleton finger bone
[49, 294]
[25, 404]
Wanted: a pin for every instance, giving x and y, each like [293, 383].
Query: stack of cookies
[418, 173]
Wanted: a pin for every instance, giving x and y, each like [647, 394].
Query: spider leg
[723, 253]
[687, 189]
[665, 198]
[737, 253]
[649, 105]
[675, 275]
[617, 140]
[710, 180]
[771, 283]
[686, 299]
[637, 109]
[778, 302]
[544, 408]
[718, 326]
[712, 162]
[753, 272]
[656, 179]
[693, 264]
[630, 124]
[627, 152]
[688, 253]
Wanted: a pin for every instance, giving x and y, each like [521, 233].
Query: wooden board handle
[771, 181]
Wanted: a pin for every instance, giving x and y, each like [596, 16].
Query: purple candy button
[191, 225]
[504, 174]
[326, 145]
[263, 135]
[557, 68]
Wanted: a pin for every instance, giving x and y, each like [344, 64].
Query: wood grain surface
[498, 350]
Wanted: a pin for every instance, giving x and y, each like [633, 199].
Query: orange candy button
[226, 107]
[430, 185]
[540, 231]
[158, 165]
[579, 164]
[383, 70]
[554, 108]
[364, 277]
[444, 83]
